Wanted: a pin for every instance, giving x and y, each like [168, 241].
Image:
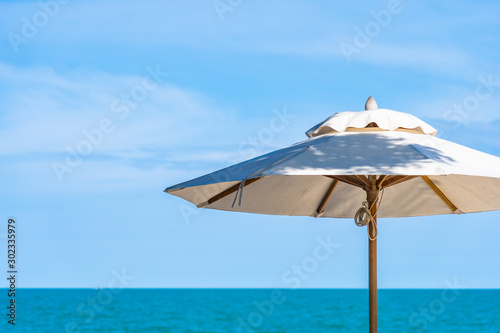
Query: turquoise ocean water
[250, 310]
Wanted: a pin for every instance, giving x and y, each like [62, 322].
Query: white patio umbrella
[391, 159]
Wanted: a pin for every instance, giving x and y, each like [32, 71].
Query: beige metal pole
[371, 196]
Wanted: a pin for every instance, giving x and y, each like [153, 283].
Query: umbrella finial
[371, 104]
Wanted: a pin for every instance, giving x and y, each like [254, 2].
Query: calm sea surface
[250, 310]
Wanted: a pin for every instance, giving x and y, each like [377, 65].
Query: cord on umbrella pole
[364, 217]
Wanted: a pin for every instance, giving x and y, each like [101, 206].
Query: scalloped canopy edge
[370, 121]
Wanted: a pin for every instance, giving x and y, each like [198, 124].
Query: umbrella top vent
[372, 119]
[371, 104]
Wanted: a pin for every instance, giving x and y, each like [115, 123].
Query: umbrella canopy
[327, 174]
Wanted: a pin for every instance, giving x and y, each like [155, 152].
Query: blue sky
[222, 77]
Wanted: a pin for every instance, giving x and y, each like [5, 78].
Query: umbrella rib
[439, 193]
[326, 197]
[356, 180]
[393, 180]
[381, 180]
[365, 180]
[230, 190]
[350, 181]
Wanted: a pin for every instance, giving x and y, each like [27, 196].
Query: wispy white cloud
[171, 131]
[414, 55]
[46, 111]
[461, 104]
[300, 28]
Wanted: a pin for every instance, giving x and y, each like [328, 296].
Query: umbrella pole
[371, 196]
